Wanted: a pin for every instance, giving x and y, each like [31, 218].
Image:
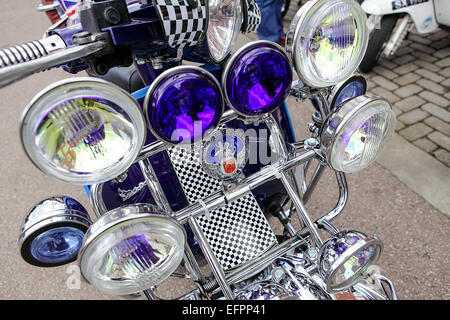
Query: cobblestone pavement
[417, 82]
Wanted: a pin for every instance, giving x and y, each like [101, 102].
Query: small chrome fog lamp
[257, 78]
[53, 231]
[354, 135]
[327, 39]
[183, 105]
[130, 249]
[83, 130]
[345, 257]
[354, 86]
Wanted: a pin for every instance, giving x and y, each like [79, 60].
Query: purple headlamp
[257, 78]
[183, 105]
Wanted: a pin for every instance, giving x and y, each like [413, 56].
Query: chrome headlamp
[327, 39]
[53, 231]
[354, 86]
[183, 105]
[354, 135]
[131, 249]
[225, 20]
[345, 257]
[83, 130]
[257, 78]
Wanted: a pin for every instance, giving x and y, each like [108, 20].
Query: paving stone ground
[416, 80]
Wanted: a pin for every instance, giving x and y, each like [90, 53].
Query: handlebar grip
[53, 53]
[30, 51]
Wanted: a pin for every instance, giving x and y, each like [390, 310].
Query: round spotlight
[53, 231]
[354, 86]
[225, 20]
[131, 249]
[257, 78]
[83, 130]
[183, 105]
[354, 135]
[345, 257]
[328, 40]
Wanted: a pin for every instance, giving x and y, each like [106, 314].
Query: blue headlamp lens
[53, 232]
[57, 245]
[183, 104]
[352, 90]
[257, 78]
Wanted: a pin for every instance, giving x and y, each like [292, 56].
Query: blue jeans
[271, 27]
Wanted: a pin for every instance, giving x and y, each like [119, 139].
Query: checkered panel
[252, 17]
[183, 25]
[237, 232]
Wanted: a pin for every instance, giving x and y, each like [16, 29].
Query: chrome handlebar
[23, 60]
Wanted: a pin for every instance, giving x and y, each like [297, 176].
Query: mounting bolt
[112, 15]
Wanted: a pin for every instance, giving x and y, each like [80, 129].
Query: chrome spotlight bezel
[364, 242]
[124, 215]
[238, 55]
[337, 89]
[337, 121]
[293, 36]
[163, 77]
[76, 88]
[51, 213]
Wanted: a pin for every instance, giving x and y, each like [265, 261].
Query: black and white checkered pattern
[237, 232]
[252, 16]
[183, 25]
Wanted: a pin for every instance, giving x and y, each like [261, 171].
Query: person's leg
[271, 27]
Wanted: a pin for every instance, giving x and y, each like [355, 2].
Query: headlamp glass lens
[57, 245]
[258, 79]
[225, 19]
[83, 130]
[331, 41]
[76, 133]
[134, 255]
[184, 105]
[362, 135]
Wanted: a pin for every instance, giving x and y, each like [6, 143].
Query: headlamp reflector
[83, 130]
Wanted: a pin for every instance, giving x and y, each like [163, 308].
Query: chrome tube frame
[282, 170]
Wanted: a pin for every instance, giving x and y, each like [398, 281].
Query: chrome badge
[224, 154]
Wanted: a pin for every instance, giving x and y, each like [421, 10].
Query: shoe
[282, 40]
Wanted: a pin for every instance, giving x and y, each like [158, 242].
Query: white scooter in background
[425, 15]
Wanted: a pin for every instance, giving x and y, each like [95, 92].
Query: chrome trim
[216, 268]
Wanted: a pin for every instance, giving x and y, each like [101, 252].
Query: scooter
[425, 16]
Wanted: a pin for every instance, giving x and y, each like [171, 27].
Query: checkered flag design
[183, 25]
[236, 232]
[252, 16]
